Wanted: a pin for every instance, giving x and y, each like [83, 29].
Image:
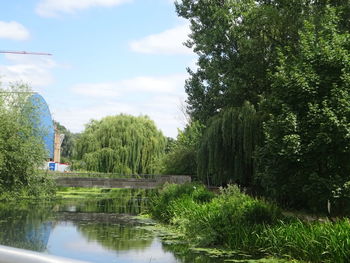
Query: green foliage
[307, 149]
[242, 223]
[159, 205]
[290, 60]
[170, 144]
[227, 148]
[121, 144]
[237, 44]
[340, 200]
[228, 219]
[312, 242]
[22, 150]
[68, 144]
[182, 155]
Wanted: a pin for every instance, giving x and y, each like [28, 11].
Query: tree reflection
[25, 225]
[120, 201]
[117, 237]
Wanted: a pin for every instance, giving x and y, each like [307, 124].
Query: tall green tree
[227, 149]
[121, 144]
[307, 150]
[182, 157]
[288, 58]
[237, 43]
[22, 149]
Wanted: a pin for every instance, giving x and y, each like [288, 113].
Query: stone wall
[121, 182]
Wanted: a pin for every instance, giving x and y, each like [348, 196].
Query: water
[100, 230]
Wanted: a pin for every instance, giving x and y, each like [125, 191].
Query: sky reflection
[66, 240]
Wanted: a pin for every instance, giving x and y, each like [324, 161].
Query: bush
[22, 150]
[314, 242]
[230, 219]
[160, 207]
[209, 220]
[240, 222]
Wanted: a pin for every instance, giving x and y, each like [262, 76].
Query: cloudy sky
[109, 57]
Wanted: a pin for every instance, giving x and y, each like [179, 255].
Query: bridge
[135, 183]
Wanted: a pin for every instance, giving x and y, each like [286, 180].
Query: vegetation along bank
[239, 222]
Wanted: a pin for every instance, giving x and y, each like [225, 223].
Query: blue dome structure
[43, 122]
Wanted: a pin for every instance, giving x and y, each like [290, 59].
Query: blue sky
[109, 57]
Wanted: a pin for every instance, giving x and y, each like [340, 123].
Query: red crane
[25, 53]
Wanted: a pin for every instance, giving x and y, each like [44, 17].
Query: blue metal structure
[43, 122]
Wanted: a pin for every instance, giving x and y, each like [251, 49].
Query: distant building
[42, 120]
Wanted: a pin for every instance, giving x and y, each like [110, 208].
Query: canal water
[101, 229]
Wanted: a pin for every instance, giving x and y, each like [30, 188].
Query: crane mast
[25, 53]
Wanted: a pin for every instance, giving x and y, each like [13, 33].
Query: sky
[108, 57]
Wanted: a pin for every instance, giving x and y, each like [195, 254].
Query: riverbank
[236, 221]
[38, 186]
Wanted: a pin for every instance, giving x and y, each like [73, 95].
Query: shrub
[240, 222]
[315, 242]
[160, 203]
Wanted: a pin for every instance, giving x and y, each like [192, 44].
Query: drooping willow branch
[121, 144]
[226, 154]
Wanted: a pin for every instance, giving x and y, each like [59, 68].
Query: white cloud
[52, 8]
[33, 70]
[96, 90]
[13, 30]
[75, 117]
[167, 42]
[144, 84]
[157, 97]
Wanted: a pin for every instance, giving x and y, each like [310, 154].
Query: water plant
[237, 221]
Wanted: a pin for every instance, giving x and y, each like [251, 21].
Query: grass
[239, 222]
[86, 193]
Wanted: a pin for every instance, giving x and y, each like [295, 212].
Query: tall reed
[240, 222]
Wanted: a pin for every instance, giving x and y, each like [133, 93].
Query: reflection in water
[129, 237]
[120, 201]
[25, 225]
[99, 230]
[68, 240]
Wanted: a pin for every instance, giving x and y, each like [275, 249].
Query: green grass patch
[86, 193]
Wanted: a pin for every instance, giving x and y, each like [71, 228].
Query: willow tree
[121, 144]
[226, 153]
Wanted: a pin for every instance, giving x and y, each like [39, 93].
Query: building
[44, 125]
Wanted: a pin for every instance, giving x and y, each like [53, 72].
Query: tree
[227, 149]
[237, 43]
[307, 149]
[22, 150]
[68, 144]
[182, 157]
[121, 144]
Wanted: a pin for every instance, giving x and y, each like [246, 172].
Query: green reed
[240, 222]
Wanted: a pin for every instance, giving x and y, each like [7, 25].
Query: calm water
[95, 231]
